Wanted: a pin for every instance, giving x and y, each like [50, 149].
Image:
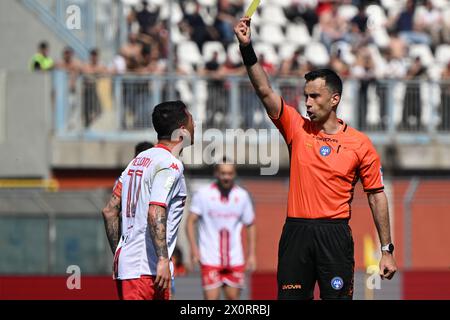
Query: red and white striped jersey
[220, 224]
[155, 176]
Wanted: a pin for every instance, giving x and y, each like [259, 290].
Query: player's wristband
[248, 54]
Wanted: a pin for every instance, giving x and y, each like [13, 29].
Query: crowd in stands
[357, 38]
[365, 40]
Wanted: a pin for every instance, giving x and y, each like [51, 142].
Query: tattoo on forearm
[112, 222]
[157, 224]
[113, 232]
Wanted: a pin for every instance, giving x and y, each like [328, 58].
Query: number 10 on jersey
[134, 190]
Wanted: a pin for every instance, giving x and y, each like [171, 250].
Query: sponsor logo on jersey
[174, 166]
[296, 286]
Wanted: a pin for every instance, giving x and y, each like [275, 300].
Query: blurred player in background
[150, 198]
[221, 210]
[327, 158]
[142, 146]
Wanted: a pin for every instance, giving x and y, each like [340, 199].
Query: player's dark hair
[332, 80]
[168, 117]
[43, 45]
[223, 160]
[142, 146]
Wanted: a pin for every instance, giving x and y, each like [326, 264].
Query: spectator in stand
[94, 66]
[217, 96]
[91, 102]
[338, 65]
[358, 35]
[147, 19]
[364, 71]
[268, 66]
[398, 48]
[225, 20]
[132, 49]
[303, 11]
[445, 99]
[41, 60]
[71, 66]
[292, 65]
[429, 20]
[152, 63]
[194, 25]
[333, 27]
[406, 27]
[412, 102]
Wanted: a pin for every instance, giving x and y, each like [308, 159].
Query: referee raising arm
[327, 158]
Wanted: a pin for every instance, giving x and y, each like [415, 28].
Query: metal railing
[388, 110]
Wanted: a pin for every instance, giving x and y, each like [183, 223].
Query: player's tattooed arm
[157, 221]
[111, 218]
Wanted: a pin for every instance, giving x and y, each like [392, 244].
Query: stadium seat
[376, 16]
[176, 14]
[281, 3]
[380, 36]
[317, 54]
[233, 53]
[158, 3]
[440, 4]
[214, 46]
[268, 51]
[443, 53]
[273, 14]
[298, 34]
[207, 3]
[346, 51]
[177, 35]
[379, 61]
[347, 11]
[286, 50]
[423, 51]
[271, 33]
[188, 53]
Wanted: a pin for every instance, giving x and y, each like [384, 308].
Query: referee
[327, 158]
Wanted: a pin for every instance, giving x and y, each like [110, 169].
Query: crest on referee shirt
[325, 151]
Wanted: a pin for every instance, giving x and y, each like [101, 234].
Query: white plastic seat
[268, 51]
[234, 54]
[298, 34]
[347, 11]
[214, 46]
[273, 14]
[280, 3]
[207, 3]
[156, 2]
[176, 14]
[188, 53]
[286, 50]
[271, 33]
[376, 16]
[317, 54]
[177, 35]
[442, 53]
[423, 51]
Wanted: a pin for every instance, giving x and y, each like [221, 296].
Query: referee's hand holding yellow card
[242, 31]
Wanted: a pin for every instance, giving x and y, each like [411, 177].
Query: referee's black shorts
[313, 250]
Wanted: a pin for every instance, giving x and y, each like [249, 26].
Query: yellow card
[252, 8]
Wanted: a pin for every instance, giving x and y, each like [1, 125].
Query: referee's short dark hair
[332, 80]
[169, 116]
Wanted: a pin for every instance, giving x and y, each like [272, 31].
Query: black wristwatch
[388, 248]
